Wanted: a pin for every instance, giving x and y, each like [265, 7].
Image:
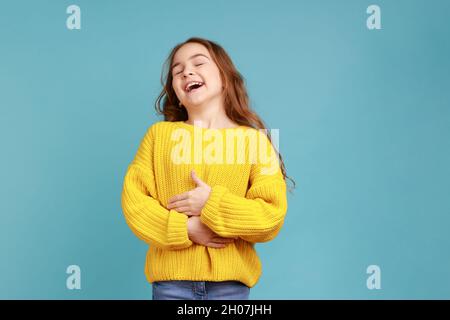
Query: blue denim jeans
[199, 290]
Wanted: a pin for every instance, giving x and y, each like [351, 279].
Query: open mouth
[193, 86]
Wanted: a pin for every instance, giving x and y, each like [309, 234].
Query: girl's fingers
[215, 245]
[223, 240]
[179, 197]
[182, 209]
[181, 203]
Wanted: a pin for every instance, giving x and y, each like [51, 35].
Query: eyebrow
[191, 57]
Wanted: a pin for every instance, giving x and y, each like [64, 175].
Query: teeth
[190, 84]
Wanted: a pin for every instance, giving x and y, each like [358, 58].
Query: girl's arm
[150, 221]
[257, 217]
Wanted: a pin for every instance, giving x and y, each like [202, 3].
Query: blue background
[364, 130]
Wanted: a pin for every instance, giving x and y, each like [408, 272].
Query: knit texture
[247, 200]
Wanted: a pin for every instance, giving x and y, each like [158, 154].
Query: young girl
[199, 199]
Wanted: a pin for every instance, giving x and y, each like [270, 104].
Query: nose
[187, 72]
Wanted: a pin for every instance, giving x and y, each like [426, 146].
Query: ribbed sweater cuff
[211, 208]
[177, 233]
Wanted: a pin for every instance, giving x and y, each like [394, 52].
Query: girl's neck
[211, 118]
[212, 123]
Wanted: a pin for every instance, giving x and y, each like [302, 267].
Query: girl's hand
[191, 202]
[201, 234]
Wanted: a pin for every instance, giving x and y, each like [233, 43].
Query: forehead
[188, 50]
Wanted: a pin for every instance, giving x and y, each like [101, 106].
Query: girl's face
[196, 77]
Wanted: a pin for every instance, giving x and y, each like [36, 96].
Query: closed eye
[199, 64]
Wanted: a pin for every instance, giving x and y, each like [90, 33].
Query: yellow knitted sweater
[247, 200]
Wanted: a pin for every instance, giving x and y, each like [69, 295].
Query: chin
[197, 102]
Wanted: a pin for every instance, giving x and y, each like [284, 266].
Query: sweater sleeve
[257, 217]
[146, 217]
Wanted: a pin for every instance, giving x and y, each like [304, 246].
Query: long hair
[236, 100]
